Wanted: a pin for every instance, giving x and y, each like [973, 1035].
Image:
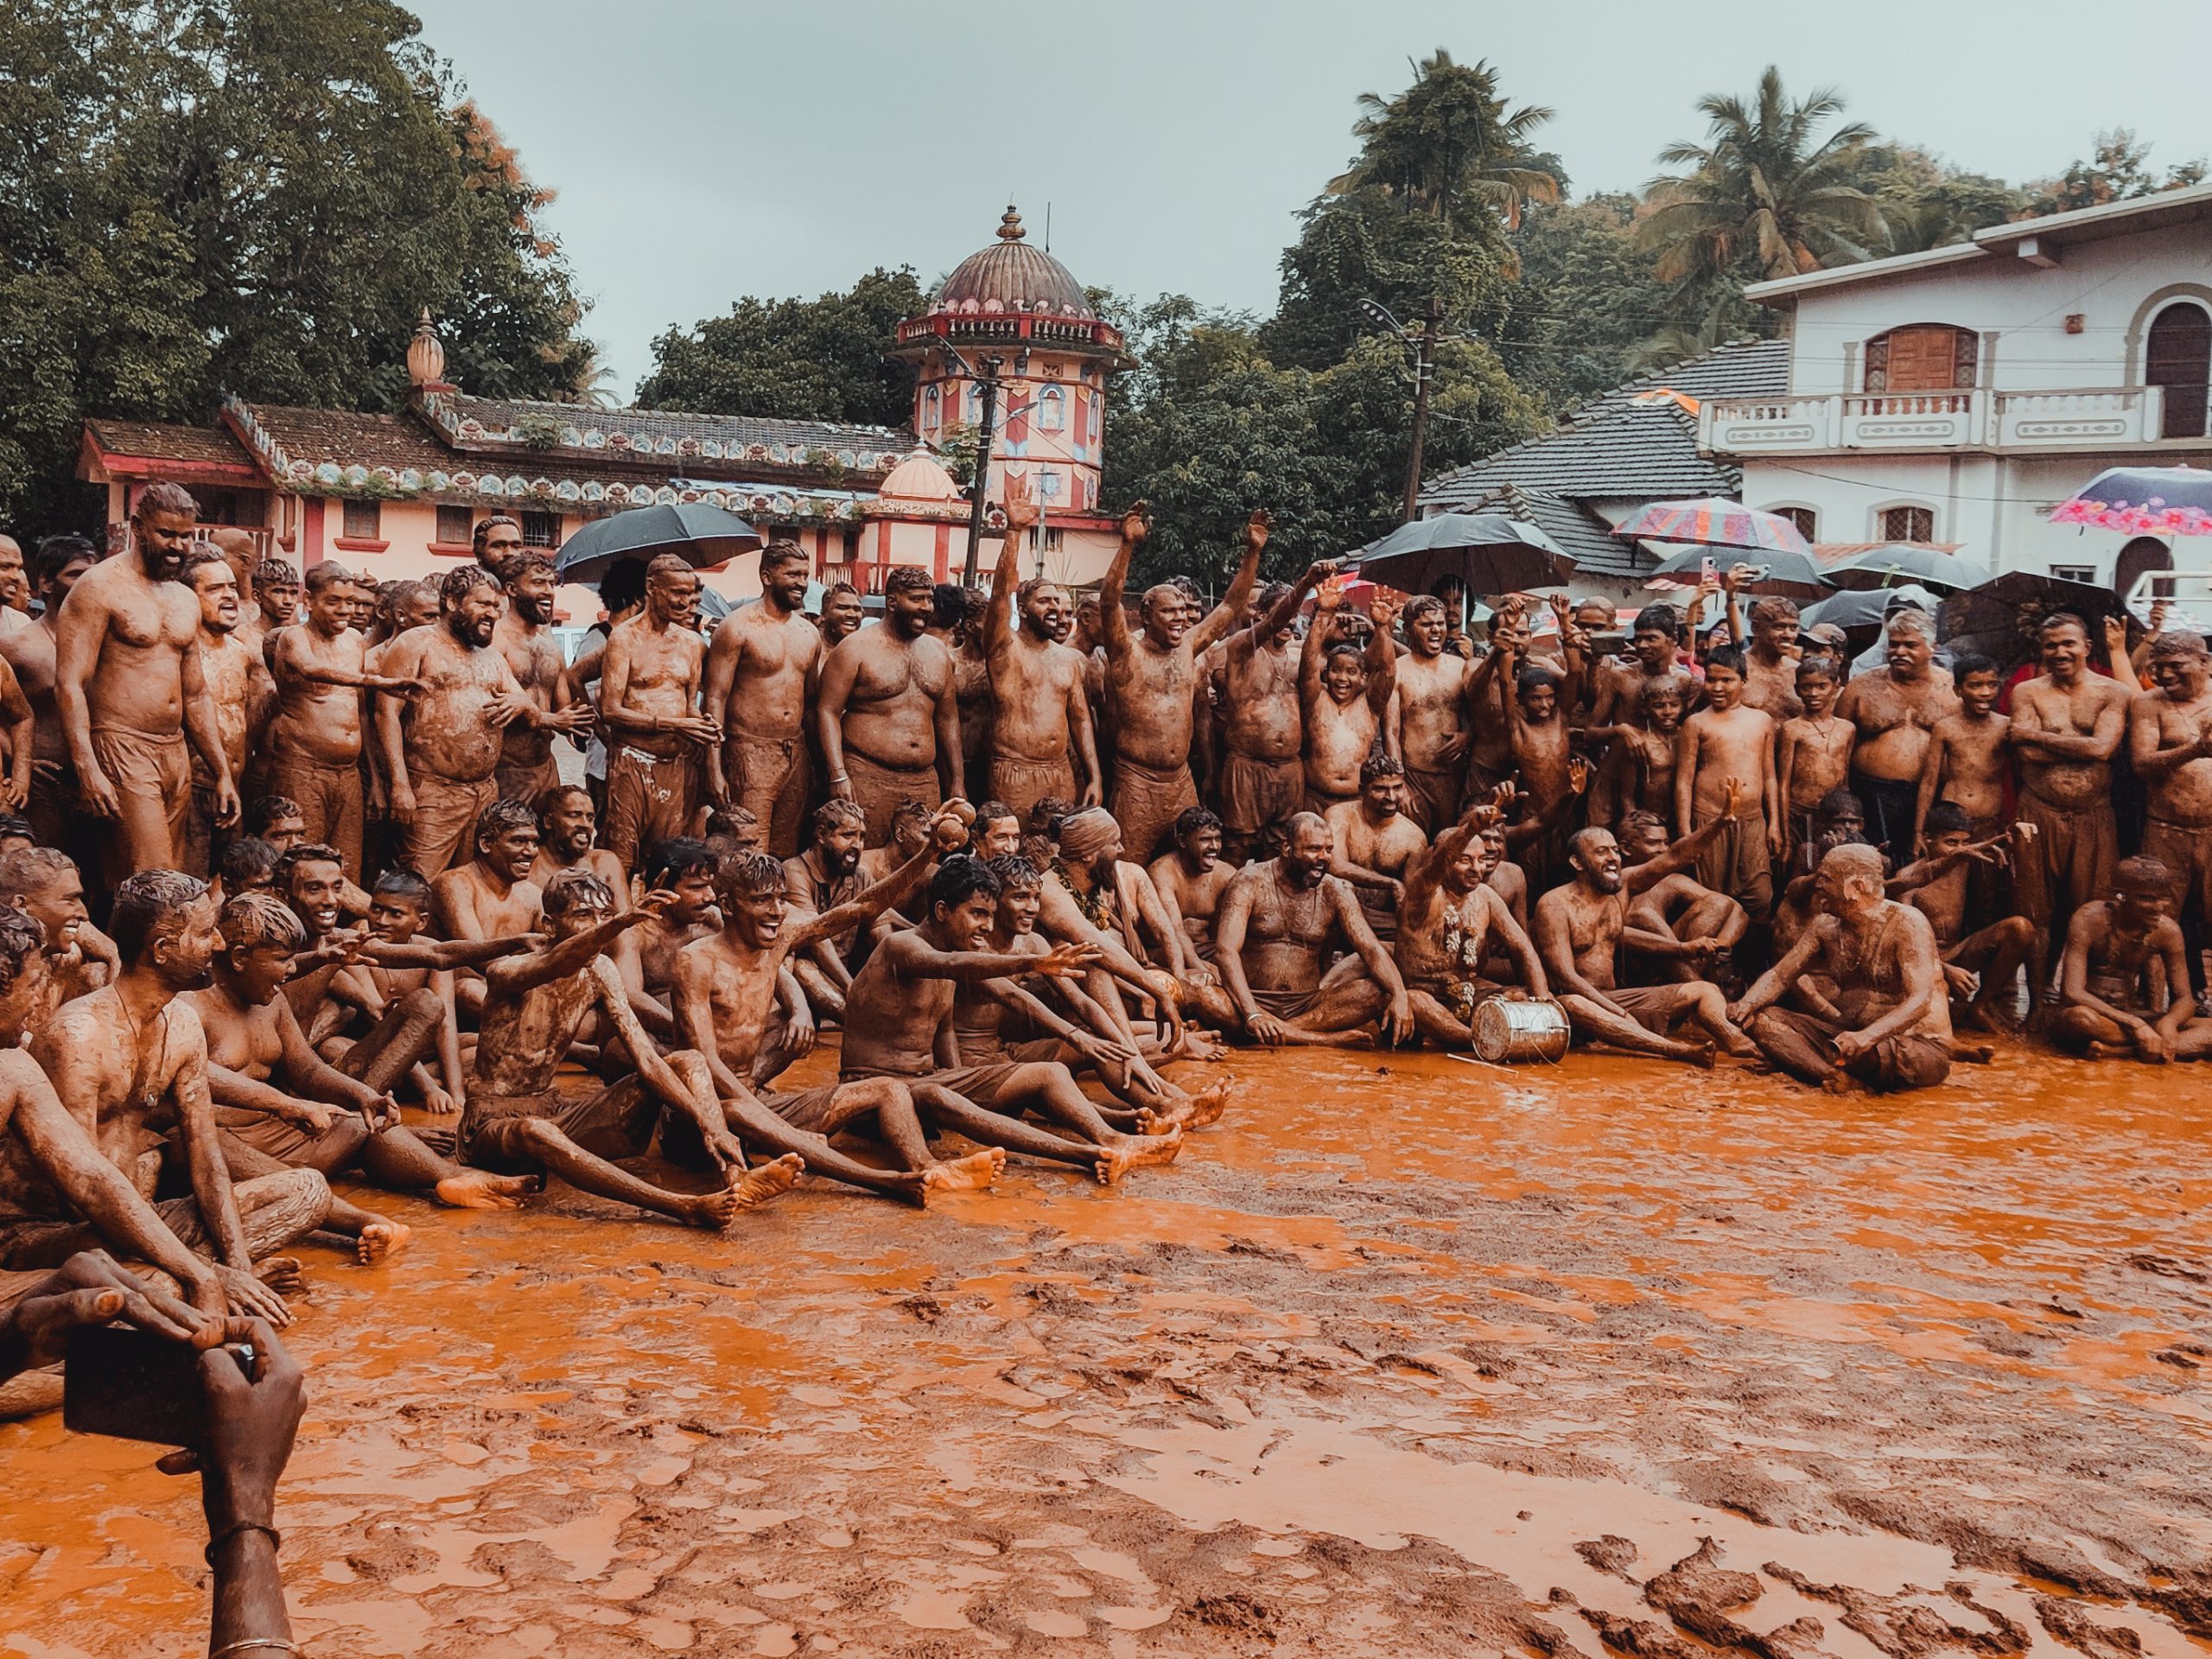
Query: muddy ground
[1409, 1356]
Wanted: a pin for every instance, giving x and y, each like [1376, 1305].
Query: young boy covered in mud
[282, 1106]
[399, 910]
[726, 989]
[1725, 755]
[1814, 752]
[1969, 765]
[1346, 695]
[900, 1025]
[1637, 772]
[534, 1004]
[2124, 978]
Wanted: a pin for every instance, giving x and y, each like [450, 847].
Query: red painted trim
[944, 552]
[453, 549]
[311, 530]
[356, 544]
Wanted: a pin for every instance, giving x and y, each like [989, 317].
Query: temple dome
[1011, 275]
[918, 478]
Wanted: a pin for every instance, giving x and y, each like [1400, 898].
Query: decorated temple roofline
[618, 432]
[917, 336]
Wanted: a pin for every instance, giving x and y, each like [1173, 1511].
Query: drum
[1511, 1031]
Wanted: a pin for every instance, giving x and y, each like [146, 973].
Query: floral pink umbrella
[2143, 501]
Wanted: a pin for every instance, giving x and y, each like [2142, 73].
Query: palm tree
[1447, 144]
[1762, 193]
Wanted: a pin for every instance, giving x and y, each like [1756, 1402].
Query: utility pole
[1424, 370]
[990, 382]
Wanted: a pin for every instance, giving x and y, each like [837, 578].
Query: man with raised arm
[517, 1123]
[1343, 694]
[442, 748]
[660, 755]
[1040, 714]
[1581, 926]
[525, 637]
[887, 711]
[761, 670]
[1152, 678]
[1889, 1024]
[1264, 731]
[314, 741]
[130, 691]
[1449, 922]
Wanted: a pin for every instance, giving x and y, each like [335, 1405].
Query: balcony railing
[2096, 418]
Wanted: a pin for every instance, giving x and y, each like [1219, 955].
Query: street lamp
[988, 379]
[1424, 349]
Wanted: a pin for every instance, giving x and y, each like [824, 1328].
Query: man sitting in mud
[1450, 922]
[1092, 1040]
[1091, 896]
[534, 1004]
[1981, 967]
[130, 1061]
[1375, 841]
[1191, 878]
[492, 896]
[646, 954]
[1579, 929]
[281, 1106]
[399, 910]
[1888, 1022]
[1278, 920]
[726, 989]
[45, 1151]
[1704, 925]
[818, 881]
[44, 884]
[900, 1025]
[2124, 957]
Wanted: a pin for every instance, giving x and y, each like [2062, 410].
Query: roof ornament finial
[426, 355]
[1010, 226]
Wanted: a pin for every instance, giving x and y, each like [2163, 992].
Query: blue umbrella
[693, 531]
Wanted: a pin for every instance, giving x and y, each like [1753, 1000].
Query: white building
[1956, 396]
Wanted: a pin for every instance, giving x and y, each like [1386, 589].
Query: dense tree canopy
[258, 195]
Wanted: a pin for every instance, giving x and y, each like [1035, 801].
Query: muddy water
[1409, 1354]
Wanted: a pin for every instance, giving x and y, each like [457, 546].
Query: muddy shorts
[1735, 862]
[441, 834]
[1891, 1066]
[650, 798]
[1287, 1005]
[1657, 1008]
[1022, 784]
[273, 1211]
[56, 807]
[1461, 996]
[989, 1085]
[768, 778]
[149, 773]
[2186, 850]
[878, 790]
[616, 1123]
[1146, 804]
[1433, 798]
[1890, 808]
[1255, 793]
[2070, 861]
[526, 780]
[330, 803]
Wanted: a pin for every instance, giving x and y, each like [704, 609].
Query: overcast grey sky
[704, 151]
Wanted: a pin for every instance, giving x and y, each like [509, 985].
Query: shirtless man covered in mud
[1889, 1026]
[725, 987]
[2170, 741]
[1040, 712]
[1264, 731]
[899, 1024]
[1191, 879]
[239, 689]
[130, 691]
[1277, 919]
[1449, 922]
[130, 1063]
[661, 751]
[761, 670]
[54, 799]
[2122, 954]
[886, 710]
[492, 896]
[314, 741]
[533, 1007]
[1433, 734]
[1579, 930]
[1376, 843]
[1152, 681]
[568, 834]
[2067, 725]
[1895, 709]
[1345, 696]
[525, 637]
[442, 748]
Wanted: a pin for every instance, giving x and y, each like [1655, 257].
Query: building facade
[1956, 396]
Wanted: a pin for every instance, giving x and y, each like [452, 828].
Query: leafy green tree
[1928, 203]
[1574, 324]
[2117, 168]
[258, 195]
[820, 359]
[1448, 145]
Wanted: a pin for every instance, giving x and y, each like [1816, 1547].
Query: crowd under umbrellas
[303, 889]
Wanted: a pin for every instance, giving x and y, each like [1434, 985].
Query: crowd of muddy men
[280, 856]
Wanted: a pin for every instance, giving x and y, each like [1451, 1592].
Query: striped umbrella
[1709, 521]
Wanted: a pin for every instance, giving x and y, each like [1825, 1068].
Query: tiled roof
[1637, 441]
[206, 446]
[350, 436]
[664, 435]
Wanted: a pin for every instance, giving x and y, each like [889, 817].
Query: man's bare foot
[282, 1274]
[1700, 1055]
[1160, 1146]
[1194, 1044]
[1994, 1016]
[380, 1238]
[1150, 1123]
[970, 1174]
[754, 1186]
[1974, 1054]
[1837, 1083]
[480, 1189]
[2111, 1051]
[1113, 1161]
[1745, 1050]
[1208, 1104]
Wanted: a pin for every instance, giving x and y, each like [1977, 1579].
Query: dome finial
[426, 355]
[1010, 226]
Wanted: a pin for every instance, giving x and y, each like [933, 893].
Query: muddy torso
[524, 1039]
[229, 670]
[1447, 941]
[1432, 709]
[246, 1040]
[741, 990]
[1148, 699]
[448, 734]
[1288, 929]
[1893, 719]
[2184, 795]
[1822, 760]
[892, 1020]
[891, 717]
[776, 657]
[139, 683]
[535, 661]
[1260, 713]
[315, 722]
[29, 651]
[1032, 682]
[1339, 736]
[1594, 923]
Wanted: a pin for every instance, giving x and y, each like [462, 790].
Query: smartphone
[1708, 571]
[134, 1385]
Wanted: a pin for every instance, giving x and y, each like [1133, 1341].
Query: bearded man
[887, 711]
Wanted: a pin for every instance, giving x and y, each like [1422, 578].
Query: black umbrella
[1994, 618]
[1900, 562]
[693, 531]
[1488, 552]
[1788, 575]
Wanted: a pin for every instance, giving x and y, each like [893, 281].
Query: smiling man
[762, 669]
[887, 711]
[1040, 711]
[659, 761]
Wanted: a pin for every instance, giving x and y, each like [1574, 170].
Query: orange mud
[1408, 1356]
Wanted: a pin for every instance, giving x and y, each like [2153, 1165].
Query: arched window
[932, 408]
[2137, 560]
[1805, 519]
[1052, 409]
[2178, 358]
[1922, 356]
[1907, 523]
